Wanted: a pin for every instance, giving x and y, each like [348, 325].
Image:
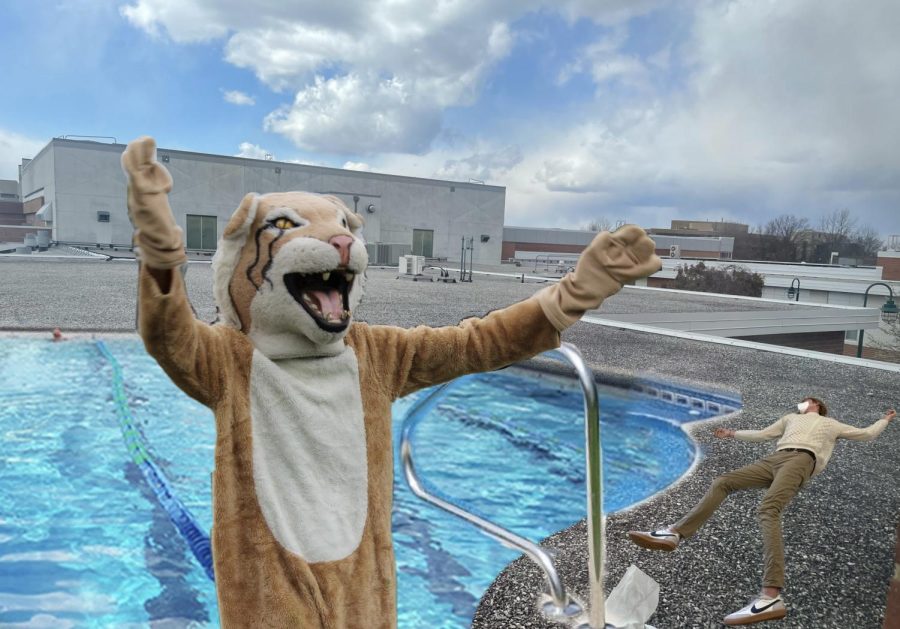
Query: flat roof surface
[839, 530]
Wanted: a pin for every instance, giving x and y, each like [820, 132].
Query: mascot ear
[239, 224]
[354, 221]
[228, 254]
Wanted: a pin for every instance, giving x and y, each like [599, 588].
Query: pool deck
[839, 531]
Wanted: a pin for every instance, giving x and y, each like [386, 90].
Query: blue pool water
[85, 543]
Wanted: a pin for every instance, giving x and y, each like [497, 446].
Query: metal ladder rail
[561, 605]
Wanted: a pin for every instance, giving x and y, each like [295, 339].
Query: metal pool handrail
[562, 605]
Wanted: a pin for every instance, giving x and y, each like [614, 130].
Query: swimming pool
[84, 542]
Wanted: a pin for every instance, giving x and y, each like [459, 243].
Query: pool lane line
[184, 521]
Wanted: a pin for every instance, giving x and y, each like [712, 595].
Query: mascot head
[289, 272]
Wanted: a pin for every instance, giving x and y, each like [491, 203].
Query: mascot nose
[342, 244]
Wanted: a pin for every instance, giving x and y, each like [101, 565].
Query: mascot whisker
[302, 393]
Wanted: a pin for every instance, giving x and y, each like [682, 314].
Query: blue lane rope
[187, 525]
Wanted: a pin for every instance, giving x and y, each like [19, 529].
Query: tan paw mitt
[157, 237]
[609, 262]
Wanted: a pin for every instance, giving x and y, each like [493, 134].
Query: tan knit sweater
[811, 431]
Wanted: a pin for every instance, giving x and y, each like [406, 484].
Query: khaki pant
[784, 473]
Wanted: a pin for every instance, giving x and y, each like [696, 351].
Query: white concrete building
[78, 187]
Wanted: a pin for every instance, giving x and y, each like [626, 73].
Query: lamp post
[889, 312]
[791, 293]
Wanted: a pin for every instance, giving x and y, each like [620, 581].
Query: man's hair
[823, 410]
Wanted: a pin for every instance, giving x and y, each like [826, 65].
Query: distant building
[78, 189]
[742, 249]
[9, 190]
[534, 243]
[710, 228]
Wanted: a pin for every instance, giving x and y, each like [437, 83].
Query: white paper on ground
[632, 601]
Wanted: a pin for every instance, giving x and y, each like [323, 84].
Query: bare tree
[837, 227]
[784, 232]
[601, 224]
[869, 242]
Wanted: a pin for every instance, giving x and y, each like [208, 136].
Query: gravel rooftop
[839, 531]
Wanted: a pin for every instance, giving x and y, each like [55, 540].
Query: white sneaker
[661, 539]
[761, 608]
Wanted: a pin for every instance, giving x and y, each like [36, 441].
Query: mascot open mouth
[325, 296]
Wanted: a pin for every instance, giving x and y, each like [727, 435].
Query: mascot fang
[302, 394]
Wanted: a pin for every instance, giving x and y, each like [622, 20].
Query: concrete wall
[88, 179]
[38, 181]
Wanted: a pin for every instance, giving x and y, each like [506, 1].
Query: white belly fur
[309, 453]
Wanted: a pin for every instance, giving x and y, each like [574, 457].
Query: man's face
[811, 407]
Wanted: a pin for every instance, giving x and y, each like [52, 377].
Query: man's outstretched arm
[771, 432]
[866, 434]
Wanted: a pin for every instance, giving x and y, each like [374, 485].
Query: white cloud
[487, 166]
[184, 21]
[359, 115]
[236, 97]
[362, 166]
[751, 107]
[13, 147]
[787, 107]
[253, 151]
[367, 76]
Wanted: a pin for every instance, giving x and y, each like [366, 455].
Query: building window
[102, 217]
[423, 242]
[201, 231]
[851, 335]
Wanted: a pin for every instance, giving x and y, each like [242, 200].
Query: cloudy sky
[635, 110]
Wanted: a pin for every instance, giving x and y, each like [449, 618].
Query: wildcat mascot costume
[302, 394]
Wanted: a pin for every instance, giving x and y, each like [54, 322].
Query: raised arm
[865, 434]
[423, 356]
[192, 353]
[408, 360]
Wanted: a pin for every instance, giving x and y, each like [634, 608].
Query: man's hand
[890, 415]
[156, 233]
[724, 433]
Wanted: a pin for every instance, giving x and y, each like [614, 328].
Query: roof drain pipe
[560, 607]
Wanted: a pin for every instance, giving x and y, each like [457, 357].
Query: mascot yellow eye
[284, 223]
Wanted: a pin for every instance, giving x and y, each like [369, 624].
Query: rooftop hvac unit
[675, 251]
[390, 252]
[386, 254]
[412, 265]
